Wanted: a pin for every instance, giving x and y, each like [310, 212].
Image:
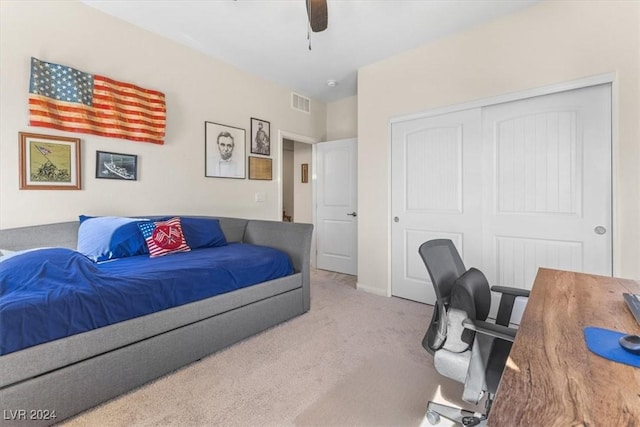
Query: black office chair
[464, 346]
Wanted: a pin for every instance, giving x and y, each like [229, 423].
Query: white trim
[606, 78]
[509, 97]
[314, 240]
[615, 264]
[390, 212]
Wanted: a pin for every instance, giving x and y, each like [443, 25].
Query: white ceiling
[269, 37]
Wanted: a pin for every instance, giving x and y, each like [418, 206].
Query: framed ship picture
[116, 166]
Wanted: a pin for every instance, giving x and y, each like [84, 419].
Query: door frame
[283, 134]
[606, 78]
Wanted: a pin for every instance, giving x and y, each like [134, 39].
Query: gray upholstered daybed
[73, 374]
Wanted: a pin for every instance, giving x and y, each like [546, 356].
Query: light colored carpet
[354, 360]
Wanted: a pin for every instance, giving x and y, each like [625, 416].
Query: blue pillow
[108, 237]
[202, 232]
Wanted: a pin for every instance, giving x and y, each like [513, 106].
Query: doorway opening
[296, 200]
[297, 194]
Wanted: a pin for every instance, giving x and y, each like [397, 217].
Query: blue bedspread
[48, 294]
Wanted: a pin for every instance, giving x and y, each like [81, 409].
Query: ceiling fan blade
[317, 12]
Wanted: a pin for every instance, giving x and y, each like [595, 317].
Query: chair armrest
[490, 329]
[506, 290]
[507, 299]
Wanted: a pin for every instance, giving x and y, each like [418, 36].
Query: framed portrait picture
[260, 137]
[224, 151]
[49, 162]
[116, 166]
[260, 168]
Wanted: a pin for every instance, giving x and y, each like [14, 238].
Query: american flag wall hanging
[64, 98]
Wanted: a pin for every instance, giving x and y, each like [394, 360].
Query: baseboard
[371, 290]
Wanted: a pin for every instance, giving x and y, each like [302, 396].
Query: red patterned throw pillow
[164, 237]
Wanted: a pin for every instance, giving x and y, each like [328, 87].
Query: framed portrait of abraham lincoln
[224, 151]
[260, 137]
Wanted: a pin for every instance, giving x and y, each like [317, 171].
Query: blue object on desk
[604, 343]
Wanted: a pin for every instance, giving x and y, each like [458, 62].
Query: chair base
[459, 416]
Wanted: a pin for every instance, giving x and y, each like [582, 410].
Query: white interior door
[336, 209]
[533, 190]
[436, 169]
[547, 186]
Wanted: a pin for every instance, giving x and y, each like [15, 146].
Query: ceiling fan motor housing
[317, 12]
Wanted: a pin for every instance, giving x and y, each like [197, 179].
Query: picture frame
[260, 137]
[49, 162]
[260, 168]
[304, 173]
[116, 166]
[224, 151]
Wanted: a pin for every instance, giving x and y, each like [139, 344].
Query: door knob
[600, 230]
[396, 219]
[352, 214]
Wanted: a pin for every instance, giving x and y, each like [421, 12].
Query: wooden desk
[551, 379]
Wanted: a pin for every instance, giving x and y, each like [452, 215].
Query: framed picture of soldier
[49, 162]
[260, 137]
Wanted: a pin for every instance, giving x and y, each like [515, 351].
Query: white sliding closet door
[517, 186]
[547, 186]
[436, 171]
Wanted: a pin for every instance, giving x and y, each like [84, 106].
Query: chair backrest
[444, 266]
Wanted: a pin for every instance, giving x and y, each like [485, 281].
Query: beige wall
[197, 89]
[342, 119]
[549, 43]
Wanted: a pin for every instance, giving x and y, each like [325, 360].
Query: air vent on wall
[300, 103]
